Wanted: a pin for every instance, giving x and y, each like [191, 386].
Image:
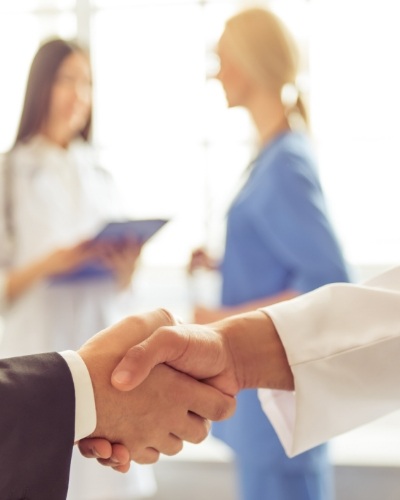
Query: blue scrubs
[279, 238]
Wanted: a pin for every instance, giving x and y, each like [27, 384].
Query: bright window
[163, 129]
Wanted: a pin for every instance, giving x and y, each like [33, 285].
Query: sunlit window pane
[139, 3]
[158, 115]
[355, 104]
[32, 5]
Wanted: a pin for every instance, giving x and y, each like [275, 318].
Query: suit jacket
[343, 346]
[37, 415]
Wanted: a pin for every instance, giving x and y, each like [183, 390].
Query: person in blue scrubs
[279, 242]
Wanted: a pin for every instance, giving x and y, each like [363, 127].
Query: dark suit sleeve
[37, 417]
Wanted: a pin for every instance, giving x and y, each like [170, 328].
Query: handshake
[157, 383]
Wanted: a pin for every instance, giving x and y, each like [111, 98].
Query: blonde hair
[267, 51]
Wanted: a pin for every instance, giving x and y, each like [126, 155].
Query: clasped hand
[165, 408]
[172, 379]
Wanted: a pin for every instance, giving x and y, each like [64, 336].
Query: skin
[236, 353]
[169, 407]
[230, 355]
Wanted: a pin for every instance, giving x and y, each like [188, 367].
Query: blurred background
[162, 128]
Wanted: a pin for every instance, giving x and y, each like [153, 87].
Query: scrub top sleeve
[296, 226]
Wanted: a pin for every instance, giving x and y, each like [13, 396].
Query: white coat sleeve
[343, 346]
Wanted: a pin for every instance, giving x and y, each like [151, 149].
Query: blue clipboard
[140, 230]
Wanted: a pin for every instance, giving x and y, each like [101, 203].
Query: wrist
[41, 269]
[100, 366]
[21, 279]
[258, 355]
[85, 409]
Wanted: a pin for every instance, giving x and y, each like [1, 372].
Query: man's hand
[168, 407]
[242, 351]
[116, 455]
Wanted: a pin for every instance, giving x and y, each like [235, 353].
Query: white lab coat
[58, 197]
[343, 346]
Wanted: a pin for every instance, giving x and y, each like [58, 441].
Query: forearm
[37, 423]
[264, 302]
[259, 357]
[20, 280]
[342, 343]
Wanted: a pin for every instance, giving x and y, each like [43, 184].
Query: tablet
[139, 230]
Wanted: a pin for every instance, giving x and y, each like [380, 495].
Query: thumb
[163, 346]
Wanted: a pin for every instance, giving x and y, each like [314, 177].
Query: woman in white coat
[55, 199]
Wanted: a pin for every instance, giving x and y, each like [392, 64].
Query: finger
[196, 430]
[172, 445]
[163, 346]
[120, 454]
[145, 456]
[123, 468]
[169, 444]
[119, 459]
[95, 448]
[210, 403]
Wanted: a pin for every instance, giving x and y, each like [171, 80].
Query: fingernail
[114, 461]
[94, 453]
[122, 377]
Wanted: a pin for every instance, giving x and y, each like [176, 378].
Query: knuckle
[145, 457]
[133, 352]
[202, 433]
[224, 410]
[197, 431]
[174, 448]
[167, 315]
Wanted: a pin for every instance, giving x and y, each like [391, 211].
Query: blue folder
[140, 230]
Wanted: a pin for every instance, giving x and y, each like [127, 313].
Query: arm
[201, 260]
[229, 354]
[62, 260]
[15, 281]
[203, 315]
[38, 410]
[21, 279]
[37, 426]
[338, 347]
[342, 343]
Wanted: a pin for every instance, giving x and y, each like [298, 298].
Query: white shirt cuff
[85, 407]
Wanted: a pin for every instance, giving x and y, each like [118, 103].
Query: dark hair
[42, 74]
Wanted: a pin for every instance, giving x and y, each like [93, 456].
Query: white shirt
[343, 346]
[85, 408]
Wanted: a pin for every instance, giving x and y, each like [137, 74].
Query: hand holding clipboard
[113, 233]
